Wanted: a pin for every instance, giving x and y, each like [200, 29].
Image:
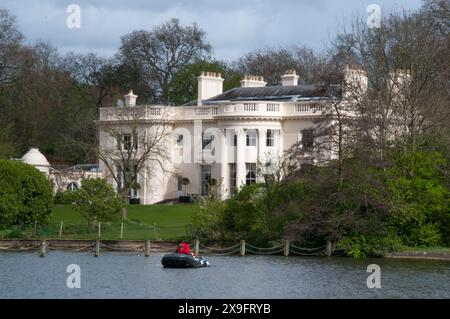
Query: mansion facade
[221, 136]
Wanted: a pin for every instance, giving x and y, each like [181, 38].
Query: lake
[127, 275]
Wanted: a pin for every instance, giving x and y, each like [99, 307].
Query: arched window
[72, 186]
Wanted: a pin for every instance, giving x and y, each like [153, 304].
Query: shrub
[244, 215]
[65, 198]
[359, 246]
[25, 194]
[207, 217]
[96, 201]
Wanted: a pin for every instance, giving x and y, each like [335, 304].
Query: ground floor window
[126, 175]
[232, 167]
[205, 177]
[250, 173]
[308, 139]
[270, 138]
[179, 183]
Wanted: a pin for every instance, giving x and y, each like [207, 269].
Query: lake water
[127, 275]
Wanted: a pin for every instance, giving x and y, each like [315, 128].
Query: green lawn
[162, 215]
[144, 222]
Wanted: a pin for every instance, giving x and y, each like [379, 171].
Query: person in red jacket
[183, 248]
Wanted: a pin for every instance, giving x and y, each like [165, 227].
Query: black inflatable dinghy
[183, 261]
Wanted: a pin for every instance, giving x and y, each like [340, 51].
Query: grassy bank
[153, 222]
[163, 215]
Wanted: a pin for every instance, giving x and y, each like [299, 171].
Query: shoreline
[418, 255]
[155, 246]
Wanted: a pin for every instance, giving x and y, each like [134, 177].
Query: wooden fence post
[60, 229]
[286, 247]
[147, 248]
[196, 247]
[43, 248]
[242, 248]
[97, 248]
[328, 249]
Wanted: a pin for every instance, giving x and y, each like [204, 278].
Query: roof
[272, 93]
[35, 158]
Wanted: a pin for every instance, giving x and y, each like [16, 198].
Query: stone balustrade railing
[181, 113]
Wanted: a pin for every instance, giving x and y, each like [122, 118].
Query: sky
[233, 27]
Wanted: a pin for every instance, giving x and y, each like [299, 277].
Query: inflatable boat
[183, 261]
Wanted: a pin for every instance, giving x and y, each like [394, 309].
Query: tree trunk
[123, 213]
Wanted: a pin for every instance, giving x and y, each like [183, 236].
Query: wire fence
[126, 231]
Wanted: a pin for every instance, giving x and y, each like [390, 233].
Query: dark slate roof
[271, 93]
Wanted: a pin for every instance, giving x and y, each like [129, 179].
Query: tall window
[250, 173]
[234, 140]
[232, 167]
[251, 137]
[205, 177]
[127, 175]
[270, 139]
[308, 138]
[125, 142]
[179, 183]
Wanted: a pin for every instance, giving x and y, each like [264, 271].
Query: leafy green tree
[96, 201]
[244, 214]
[420, 199]
[184, 85]
[206, 220]
[25, 194]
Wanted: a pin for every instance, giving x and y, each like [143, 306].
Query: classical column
[280, 143]
[224, 164]
[261, 145]
[240, 158]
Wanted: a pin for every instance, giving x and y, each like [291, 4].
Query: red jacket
[183, 248]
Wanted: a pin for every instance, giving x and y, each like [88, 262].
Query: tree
[130, 149]
[7, 146]
[97, 75]
[96, 201]
[155, 57]
[184, 85]
[272, 63]
[25, 194]
[10, 44]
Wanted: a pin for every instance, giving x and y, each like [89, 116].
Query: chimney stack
[210, 84]
[290, 78]
[130, 99]
[253, 81]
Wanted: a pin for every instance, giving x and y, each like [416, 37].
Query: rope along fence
[242, 248]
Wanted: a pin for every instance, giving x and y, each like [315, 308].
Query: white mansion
[222, 135]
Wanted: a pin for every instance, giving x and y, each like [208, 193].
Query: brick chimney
[290, 78]
[252, 81]
[210, 84]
